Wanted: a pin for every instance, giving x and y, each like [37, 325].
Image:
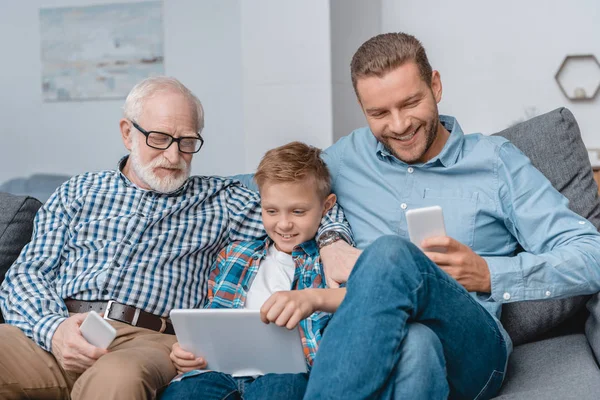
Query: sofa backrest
[16, 226]
[39, 186]
[553, 143]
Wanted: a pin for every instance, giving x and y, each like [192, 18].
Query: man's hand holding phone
[460, 262]
[427, 230]
[70, 348]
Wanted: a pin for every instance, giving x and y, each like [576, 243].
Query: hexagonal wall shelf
[579, 77]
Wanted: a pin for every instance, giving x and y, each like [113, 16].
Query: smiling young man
[131, 243]
[428, 321]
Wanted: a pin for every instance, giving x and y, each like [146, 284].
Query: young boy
[295, 190]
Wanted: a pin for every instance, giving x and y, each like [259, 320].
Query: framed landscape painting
[99, 52]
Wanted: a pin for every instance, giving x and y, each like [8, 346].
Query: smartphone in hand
[97, 331]
[424, 223]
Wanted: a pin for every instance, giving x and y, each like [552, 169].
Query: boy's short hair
[294, 162]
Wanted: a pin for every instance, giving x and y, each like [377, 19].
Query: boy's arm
[327, 300]
[289, 307]
[214, 277]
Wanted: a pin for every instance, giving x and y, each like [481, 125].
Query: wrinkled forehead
[172, 110]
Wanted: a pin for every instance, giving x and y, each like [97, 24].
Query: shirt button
[581, 222]
[411, 170]
[506, 296]
[403, 206]
[548, 293]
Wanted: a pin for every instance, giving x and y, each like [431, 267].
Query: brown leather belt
[123, 313]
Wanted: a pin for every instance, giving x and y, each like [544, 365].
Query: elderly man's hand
[460, 262]
[72, 351]
[338, 260]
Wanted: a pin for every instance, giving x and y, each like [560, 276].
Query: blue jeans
[219, 386]
[407, 330]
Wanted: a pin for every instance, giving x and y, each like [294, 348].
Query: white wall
[498, 59]
[262, 69]
[271, 71]
[286, 75]
[352, 23]
[202, 49]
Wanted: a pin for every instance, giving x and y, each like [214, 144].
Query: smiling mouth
[407, 137]
[286, 236]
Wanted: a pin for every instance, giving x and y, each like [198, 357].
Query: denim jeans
[219, 386]
[407, 330]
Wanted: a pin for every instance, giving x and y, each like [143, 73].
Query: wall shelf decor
[579, 77]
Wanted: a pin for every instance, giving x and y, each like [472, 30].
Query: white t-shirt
[275, 273]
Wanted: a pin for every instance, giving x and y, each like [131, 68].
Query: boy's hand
[288, 308]
[185, 361]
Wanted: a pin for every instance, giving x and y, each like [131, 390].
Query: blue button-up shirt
[493, 199]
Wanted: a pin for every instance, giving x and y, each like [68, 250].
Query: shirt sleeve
[214, 277]
[244, 214]
[28, 298]
[561, 256]
[335, 218]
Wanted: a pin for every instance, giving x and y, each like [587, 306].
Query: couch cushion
[553, 143]
[16, 225]
[558, 368]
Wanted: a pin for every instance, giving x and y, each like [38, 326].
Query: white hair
[134, 103]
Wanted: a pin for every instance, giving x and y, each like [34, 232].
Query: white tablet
[237, 342]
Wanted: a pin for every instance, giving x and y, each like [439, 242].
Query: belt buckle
[133, 322]
[107, 311]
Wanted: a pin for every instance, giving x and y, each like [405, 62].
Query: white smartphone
[97, 331]
[424, 223]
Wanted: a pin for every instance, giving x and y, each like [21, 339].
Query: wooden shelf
[597, 177]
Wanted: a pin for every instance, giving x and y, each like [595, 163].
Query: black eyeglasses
[162, 141]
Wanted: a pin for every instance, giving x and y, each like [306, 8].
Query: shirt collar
[454, 144]
[128, 182]
[306, 249]
[449, 153]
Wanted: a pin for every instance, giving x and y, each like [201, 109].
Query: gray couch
[555, 341]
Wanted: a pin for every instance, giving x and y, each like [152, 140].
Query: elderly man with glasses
[131, 244]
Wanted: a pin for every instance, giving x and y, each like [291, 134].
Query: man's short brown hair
[386, 52]
[294, 162]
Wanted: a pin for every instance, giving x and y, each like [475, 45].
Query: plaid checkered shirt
[236, 267]
[100, 238]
